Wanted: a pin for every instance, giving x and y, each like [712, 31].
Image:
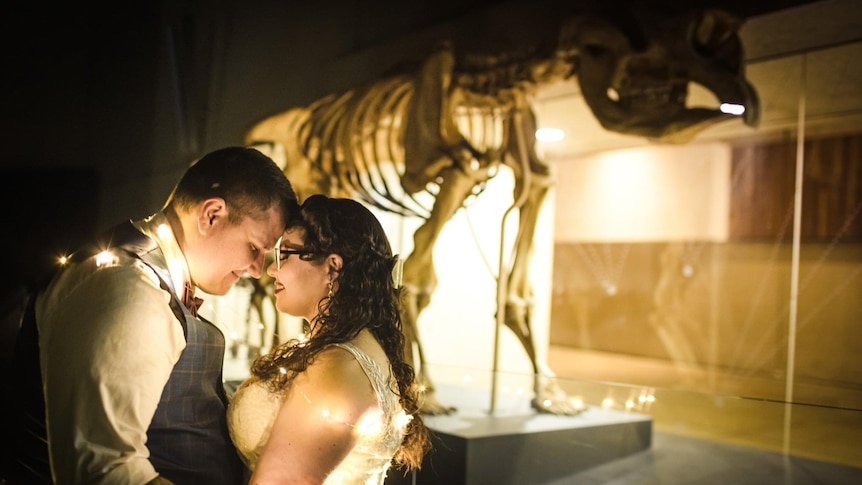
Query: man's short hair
[249, 181]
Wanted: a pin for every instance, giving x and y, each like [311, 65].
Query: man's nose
[256, 268]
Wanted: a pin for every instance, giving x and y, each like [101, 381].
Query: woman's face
[300, 283]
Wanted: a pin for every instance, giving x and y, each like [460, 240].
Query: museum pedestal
[518, 446]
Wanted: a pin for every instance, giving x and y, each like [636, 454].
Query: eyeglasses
[283, 254]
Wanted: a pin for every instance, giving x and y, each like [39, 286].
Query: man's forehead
[263, 233]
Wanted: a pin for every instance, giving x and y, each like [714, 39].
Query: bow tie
[190, 301]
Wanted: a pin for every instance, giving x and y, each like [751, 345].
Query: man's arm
[110, 344]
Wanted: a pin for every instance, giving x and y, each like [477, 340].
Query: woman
[341, 405]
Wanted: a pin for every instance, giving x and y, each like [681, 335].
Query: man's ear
[211, 212]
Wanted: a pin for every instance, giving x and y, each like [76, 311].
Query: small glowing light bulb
[104, 258]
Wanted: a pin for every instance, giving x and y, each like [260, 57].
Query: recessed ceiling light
[550, 134]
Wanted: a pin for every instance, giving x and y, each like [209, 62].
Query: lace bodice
[253, 409]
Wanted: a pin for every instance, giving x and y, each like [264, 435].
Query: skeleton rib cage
[356, 139]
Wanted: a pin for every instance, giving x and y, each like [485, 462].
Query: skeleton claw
[559, 408]
[550, 399]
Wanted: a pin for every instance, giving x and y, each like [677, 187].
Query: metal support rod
[503, 271]
[794, 260]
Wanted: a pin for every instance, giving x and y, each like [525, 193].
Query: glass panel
[828, 339]
[716, 269]
[678, 256]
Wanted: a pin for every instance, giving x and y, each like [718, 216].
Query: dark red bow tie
[190, 301]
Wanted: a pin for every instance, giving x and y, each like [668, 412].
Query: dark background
[104, 106]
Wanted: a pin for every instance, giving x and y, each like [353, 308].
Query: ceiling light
[732, 109]
[549, 134]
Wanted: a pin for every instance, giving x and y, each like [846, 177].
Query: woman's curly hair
[366, 298]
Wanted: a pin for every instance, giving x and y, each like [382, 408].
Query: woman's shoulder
[337, 378]
[335, 365]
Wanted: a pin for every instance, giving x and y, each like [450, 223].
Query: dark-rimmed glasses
[283, 254]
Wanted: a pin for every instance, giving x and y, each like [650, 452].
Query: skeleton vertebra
[447, 127]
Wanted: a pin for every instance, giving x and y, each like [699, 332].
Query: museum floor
[705, 439]
[679, 460]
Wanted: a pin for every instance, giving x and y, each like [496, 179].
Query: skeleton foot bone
[551, 399]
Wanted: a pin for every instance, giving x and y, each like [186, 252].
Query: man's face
[229, 251]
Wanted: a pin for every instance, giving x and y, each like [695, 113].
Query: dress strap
[380, 381]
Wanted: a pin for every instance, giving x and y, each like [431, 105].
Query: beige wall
[650, 193]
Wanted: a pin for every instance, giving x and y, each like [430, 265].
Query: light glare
[105, 258]
[163, 230]
[549, 134]
[732, 109]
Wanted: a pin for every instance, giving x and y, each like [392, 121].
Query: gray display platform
[518, 446]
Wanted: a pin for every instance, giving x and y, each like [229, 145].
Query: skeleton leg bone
[534, 177]
[418, 276]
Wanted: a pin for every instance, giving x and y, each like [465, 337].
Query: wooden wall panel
[763, 188]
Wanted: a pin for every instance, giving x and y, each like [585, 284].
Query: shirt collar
[157, 227]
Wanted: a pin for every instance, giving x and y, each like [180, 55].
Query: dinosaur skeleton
[440, 132]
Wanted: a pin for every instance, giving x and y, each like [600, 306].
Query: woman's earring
[329, 294]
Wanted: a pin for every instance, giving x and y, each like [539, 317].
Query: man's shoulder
[110, 271]
[115, 253]
[128, 237]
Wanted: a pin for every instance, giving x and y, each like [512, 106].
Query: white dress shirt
[108, 342]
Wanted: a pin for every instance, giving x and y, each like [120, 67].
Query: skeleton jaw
[637, 83]
[660, 112]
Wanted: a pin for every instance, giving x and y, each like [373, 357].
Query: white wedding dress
[253, 409]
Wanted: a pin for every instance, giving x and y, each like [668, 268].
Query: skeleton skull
[635, 78]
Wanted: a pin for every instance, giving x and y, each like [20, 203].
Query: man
[132, 377]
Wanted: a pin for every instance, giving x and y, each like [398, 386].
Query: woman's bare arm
[316, 426]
